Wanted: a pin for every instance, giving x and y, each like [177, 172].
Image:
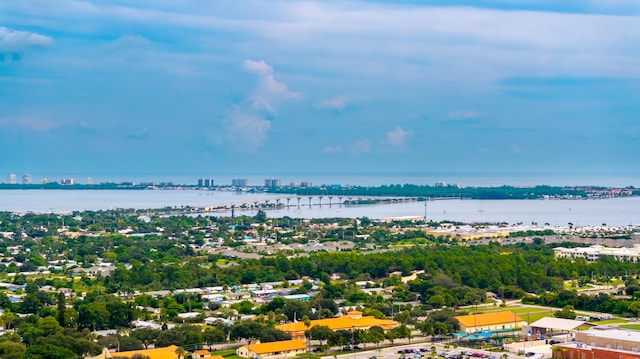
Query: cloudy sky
[165, 86]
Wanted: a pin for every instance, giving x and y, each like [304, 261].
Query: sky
[209, 87]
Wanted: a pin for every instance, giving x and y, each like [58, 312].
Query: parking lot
[420, 351]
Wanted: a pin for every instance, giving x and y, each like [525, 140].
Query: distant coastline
[407, 190]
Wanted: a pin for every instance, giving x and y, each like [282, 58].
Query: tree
[61, 305]
[426, 328]
[146, 336]
[320, 333]
[48, 351]
[212, 336]
[180, 352]
[335, 340]
[634, 307]
[11, 350]
[375, 335]
[440, 328]
[567, 312]
[49, 326]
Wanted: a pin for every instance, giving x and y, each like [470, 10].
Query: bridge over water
[297, 201]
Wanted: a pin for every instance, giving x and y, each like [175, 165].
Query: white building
[594, 252]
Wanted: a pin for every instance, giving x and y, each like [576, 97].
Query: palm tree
[181, 352]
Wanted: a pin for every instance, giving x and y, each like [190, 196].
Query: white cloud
[334, 103]
[362, 146]
[461, 115]
[244, 130]
[332, 150]
[515, 148]
[13, 41]
[269, 89]
[33, 123]
[397, 137]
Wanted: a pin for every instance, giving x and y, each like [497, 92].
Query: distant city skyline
[248, 179]
[253, 87]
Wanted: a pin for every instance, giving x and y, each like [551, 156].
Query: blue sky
[159, 86]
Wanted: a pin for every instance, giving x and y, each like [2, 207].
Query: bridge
[295, 201]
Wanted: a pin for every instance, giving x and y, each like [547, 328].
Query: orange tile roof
[342, 323]
[157, 353]
[493, 318]
[273, 347]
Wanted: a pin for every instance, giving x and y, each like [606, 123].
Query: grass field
[227, 353]
[611, 321]
[630, 326]
[527, 314]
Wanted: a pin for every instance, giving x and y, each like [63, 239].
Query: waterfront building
[67, 181]
[205, 182]
[306, 184]
[26, 178]
[11, 178]
[594, 252]
[89, 181]
[239, 182]
[272, 182]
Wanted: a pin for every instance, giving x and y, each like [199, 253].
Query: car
[356, 347]
[317, 349]
[346, 348]
[424, 350]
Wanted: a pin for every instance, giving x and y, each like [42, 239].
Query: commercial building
[205, 182]
[157, 353]
[11, 178]
[602, 342]
[282, 349]
[67, 181]
[239, 182]
[594, 252]
[353, 320]
[26, 178]
[549, 326]
[490, 321]
[272, 182]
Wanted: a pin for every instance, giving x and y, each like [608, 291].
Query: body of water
[613, 212]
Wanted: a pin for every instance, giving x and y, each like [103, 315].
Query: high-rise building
[205, 182]
[44, 181]
[239, 182]
[68, 181]
[11, 178]
[89, 181]
[272, 182]
[305, 184]
[26, 178]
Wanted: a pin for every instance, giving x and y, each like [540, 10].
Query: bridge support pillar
[320, 201]
[340, 201]
[330, 198]
[299, 198]
[310, 197]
